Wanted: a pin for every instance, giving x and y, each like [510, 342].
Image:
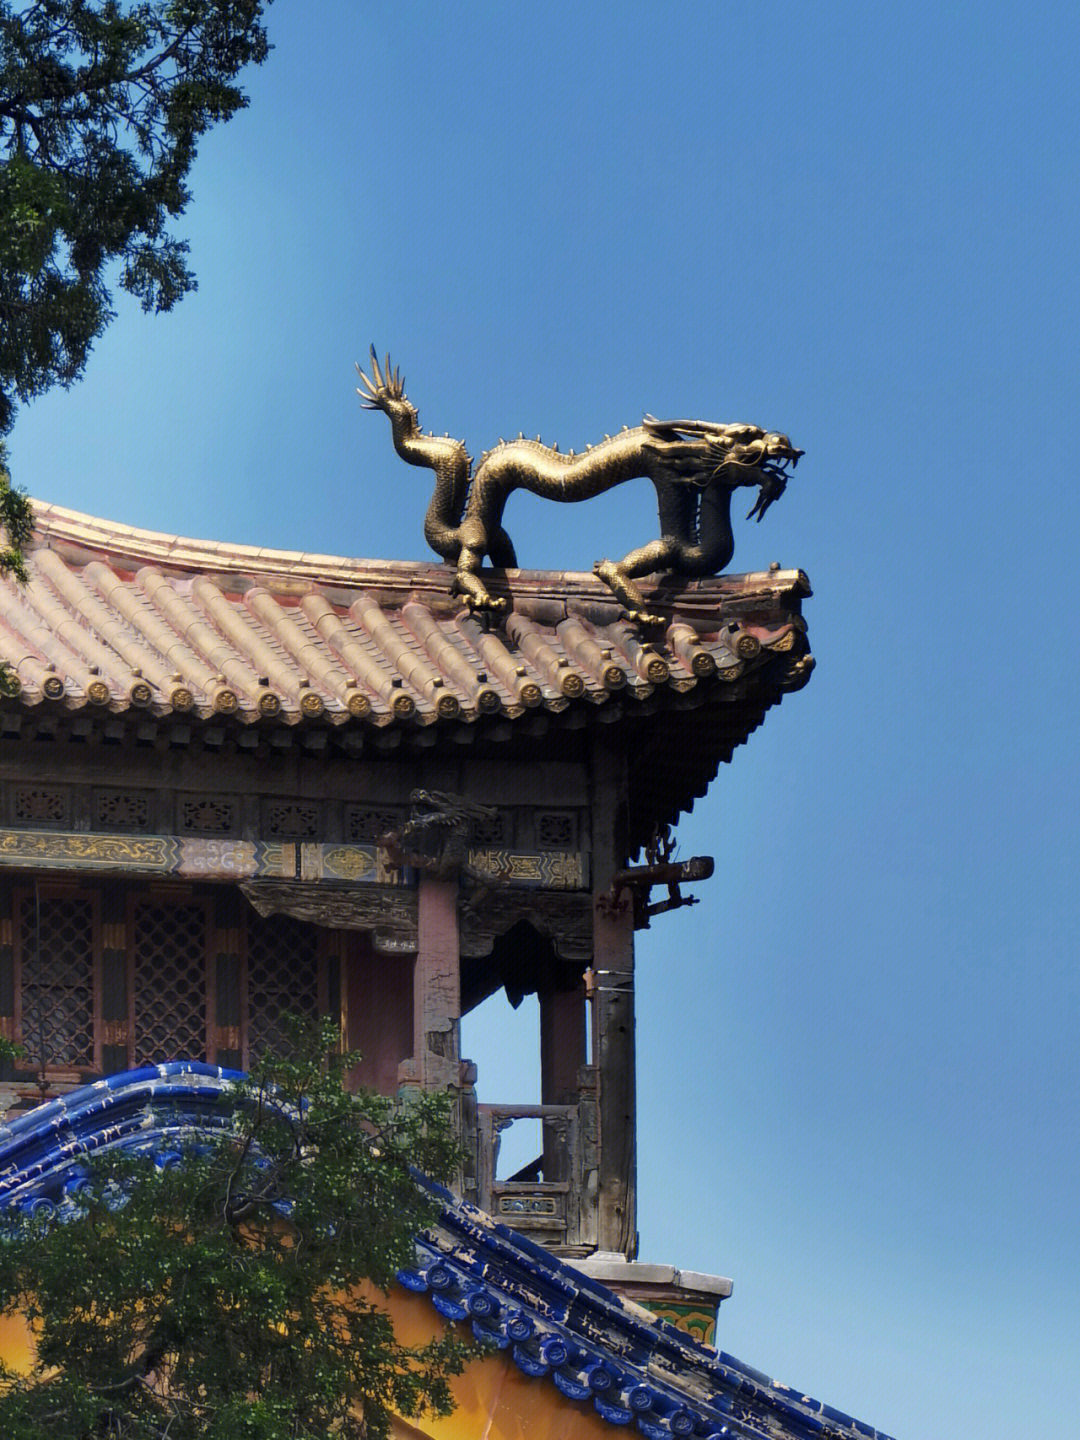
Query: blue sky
[858, 1069]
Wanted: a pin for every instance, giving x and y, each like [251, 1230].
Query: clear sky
[858, 1068]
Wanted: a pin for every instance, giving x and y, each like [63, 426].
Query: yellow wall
[495, 1400]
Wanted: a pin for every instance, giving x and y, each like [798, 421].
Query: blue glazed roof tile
[556, 1323]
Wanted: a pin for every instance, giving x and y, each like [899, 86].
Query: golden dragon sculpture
[694, 465]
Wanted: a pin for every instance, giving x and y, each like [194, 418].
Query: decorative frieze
[352, 864]
[48, 850]
[146, 854]
[225, 859]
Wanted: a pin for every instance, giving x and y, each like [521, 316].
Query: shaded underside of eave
[131, 628]
[683, 756]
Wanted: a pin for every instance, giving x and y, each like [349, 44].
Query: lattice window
[556, 829]
[122, 809]
[31, 805]
[170, 982]
[207, 815]
[56, 942]
[283, 975]
[286, 820]
[367, 823]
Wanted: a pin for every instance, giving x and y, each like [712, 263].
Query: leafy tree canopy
[221, 1298]
[16, 523]
[102, 103]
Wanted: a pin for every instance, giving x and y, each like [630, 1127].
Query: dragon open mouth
[778, 467]
[775, 477]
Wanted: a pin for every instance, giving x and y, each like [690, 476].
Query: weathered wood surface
[613, 1010]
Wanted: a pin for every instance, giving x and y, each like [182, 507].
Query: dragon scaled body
[694, 465]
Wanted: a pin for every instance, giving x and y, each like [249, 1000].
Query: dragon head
[702, 452]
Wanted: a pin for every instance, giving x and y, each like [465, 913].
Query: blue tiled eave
[555, 1323]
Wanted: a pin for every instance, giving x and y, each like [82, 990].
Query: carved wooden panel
[369, 822]
[556, 829]
[291, 820]
[122, 809]
[566, 918]
[207, 814]
[493, 829]
[40, 805]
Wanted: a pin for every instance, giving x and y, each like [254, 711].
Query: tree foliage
[102, 103]
[16, 523]
[229, 1296]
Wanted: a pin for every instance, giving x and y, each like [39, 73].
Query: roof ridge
[81, 537]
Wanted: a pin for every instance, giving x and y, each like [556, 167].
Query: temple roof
[558, 1324]
[122, 630]
[126, 619]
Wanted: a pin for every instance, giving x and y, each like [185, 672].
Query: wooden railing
[553, 1198]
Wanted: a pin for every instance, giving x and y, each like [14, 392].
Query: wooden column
[562, 1044]
[229, 1029]
[117, 1050]
[379, 1007]
[562, 1054]
[613, 1004]
[435, 1063]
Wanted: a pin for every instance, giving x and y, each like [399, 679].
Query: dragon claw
[485, 602]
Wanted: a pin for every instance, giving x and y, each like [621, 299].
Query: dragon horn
[376, 372]
[691, 427]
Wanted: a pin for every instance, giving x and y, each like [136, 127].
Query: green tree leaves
[102, 105]
[233, 1293]
[16, 523]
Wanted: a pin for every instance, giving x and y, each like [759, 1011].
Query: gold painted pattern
[130, 852]
[346, 862]
[218, 857]
[223, 858]
[545, 869]
[690, 1319]
[356, 864]
[153, 854]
